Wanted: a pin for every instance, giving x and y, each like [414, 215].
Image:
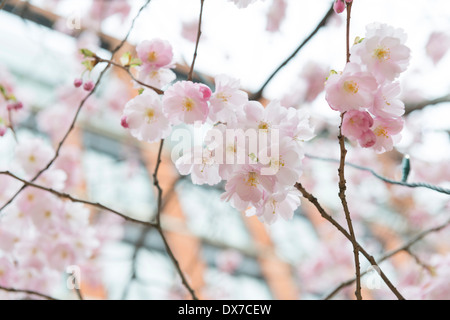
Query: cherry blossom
[351, 89]
[145, 119]
[187, 102]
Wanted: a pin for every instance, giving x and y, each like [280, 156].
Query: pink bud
[205, 91]
[88, 86]
[339, 6]
[367, 139]
[77, 82]
[348, 1]
[123, 122]
[16, 105]
[2, 130]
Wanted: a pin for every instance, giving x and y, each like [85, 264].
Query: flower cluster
[257, 150]
[156, 62]
[367, 92]
[40, 234]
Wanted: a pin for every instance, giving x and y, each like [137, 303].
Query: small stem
[199, 33]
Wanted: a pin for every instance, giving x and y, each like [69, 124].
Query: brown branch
[382, 178]
[406, 247]
[127, 70]
[257, 95]
[199, 33]
[342, 181]
[34, 293]
[73, 199]
[140, 242]
[410, 107]
[159, 228]
[329, 218]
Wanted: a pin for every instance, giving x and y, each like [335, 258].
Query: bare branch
[329, 218]
[382, 178]
[406, 247]
[199, 33]
[30, 292]
[257, 95]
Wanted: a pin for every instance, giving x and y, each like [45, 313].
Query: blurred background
[224, 254]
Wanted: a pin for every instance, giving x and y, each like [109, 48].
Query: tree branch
[404, 247]
[34, 293]
[382, 178]
[329, 218]
[322, 23]
[199, 33]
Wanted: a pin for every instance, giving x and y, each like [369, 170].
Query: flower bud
[88, 86]
[77, 82]
[339, 6]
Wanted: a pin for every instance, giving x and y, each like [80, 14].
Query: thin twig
[34, 293]
[73, 199]
[322, 23]
[336, 224]
[199, 33]
[405, 247]
[127, 70]
[410, 107]
[342, 181]
[140, 242]
[382, 178]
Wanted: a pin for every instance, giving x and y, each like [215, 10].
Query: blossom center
[152, 56]
[263, 126]
[188, 104]
[351, 86]
[222, 96]
[252, 179]
[382, 53]
[149, 115]
[380, 131]
[32, 158]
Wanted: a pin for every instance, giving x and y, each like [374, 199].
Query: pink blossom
[145, 119]
[189, 30]
[351, 89]
[187, 102]
[386, 131]
[201, 165]
[227, 100]
[356, 123]
[155, 54]
[387, 103]
[33, 155]
[275, 205]
[437, 45]
[248, 184]
[275, 15]
[155, 77]
[6, 272]
[382, 51]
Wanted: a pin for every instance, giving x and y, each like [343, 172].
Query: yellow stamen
[152, 56]
[252, 179]
[149, 115]
[351, 86]
[382, 53]
[188, 104]
[380, 131]
[263, 126]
